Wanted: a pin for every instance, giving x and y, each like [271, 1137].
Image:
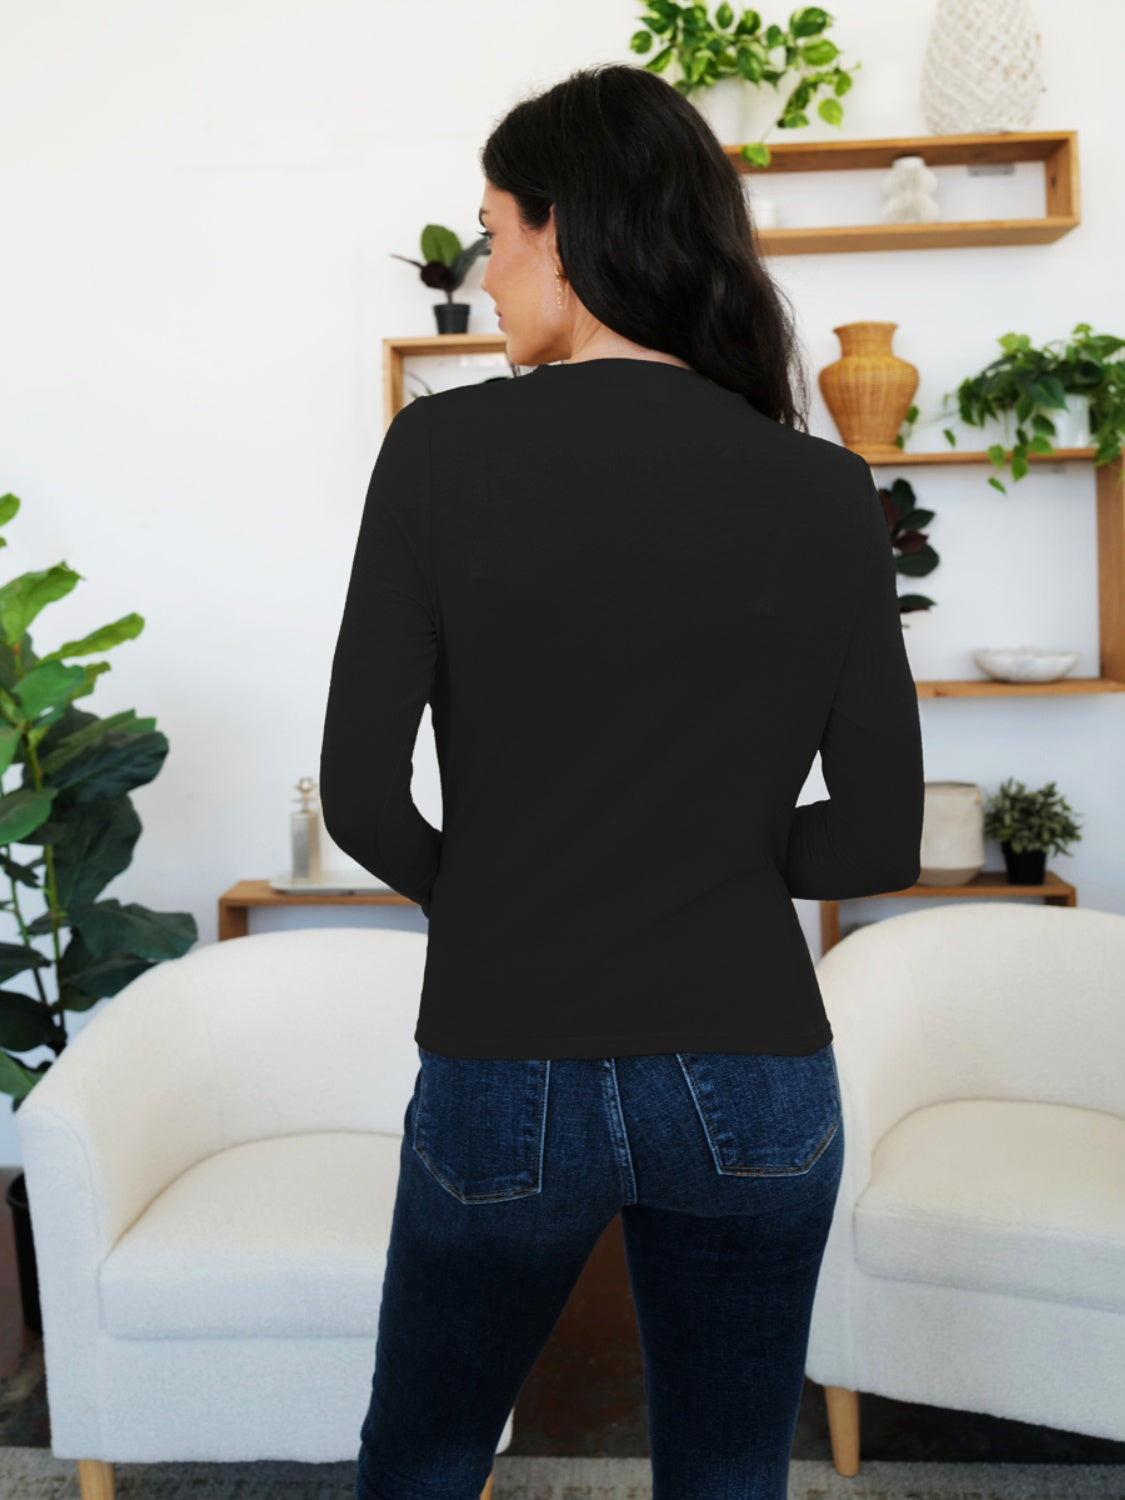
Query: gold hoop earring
[560, 277]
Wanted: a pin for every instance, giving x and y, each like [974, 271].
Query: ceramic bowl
[1025, 663]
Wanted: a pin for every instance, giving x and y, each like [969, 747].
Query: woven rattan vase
[868, 390]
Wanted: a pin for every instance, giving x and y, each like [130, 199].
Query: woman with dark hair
[640, 597]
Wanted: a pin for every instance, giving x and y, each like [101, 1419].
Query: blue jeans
[724, 1168]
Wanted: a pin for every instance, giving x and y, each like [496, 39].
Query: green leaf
[25, 1023]
[440, 243]
[86, 979]
[93, 843]
[9, 505]
[809, 21]
[109, 928]
[16, 957]
[15, 1078]
[724, 16]
[10, 738]
[102, 639]
[23, 811]
[49, 685]
[756, 152]
[22, 598]
[820, 53]
[830, 111]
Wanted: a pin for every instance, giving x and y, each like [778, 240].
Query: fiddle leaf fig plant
[736, 45]
[72, 804]
[1031, 820]
[445, 263]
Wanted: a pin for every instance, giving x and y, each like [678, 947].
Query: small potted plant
[1083, 376]
[915, 557]
[721, 58]
[444, 266]
[1029, 825]
[72, 803]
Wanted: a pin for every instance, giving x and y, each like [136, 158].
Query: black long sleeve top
[638, 608]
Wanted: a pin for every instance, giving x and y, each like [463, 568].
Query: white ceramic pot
[952, 833]
[737, 111]
[1072, 425]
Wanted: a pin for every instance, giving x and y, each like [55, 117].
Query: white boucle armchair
[211, 1168]
[976, 1259]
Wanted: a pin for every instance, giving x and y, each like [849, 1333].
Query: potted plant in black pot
[71, 803]
[444, 266]
[1029, 825]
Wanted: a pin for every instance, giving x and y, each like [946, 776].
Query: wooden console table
[986, 883]
[235, 904]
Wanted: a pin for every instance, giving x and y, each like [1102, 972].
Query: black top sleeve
[383, 670]
[865, 839]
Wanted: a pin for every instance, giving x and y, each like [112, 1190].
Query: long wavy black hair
[653, 228]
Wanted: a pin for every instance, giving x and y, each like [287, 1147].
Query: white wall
[198, 206]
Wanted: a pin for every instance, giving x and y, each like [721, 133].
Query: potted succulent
[444, 265]
[722, 57]
[915, 557]
[1029, 825]
[1083, 376]
[72, 804]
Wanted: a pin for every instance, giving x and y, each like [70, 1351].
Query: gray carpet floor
[33, 1474]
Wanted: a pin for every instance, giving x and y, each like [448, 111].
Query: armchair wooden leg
[843, 1427]
[486, 1493]
[95, 1479]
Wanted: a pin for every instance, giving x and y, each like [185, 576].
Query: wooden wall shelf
[1056, 149]
[985, 885]
[1110, 481]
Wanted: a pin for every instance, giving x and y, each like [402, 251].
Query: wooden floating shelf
[1110, 481]
[1056, 149]
[882, 457]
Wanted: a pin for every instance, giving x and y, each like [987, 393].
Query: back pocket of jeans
[764, 1115]
[479, 1124]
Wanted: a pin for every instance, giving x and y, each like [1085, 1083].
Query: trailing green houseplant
[1029, 825]
[1030, 383]
[736, 45]
[72, 804]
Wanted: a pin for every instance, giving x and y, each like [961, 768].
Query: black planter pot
[1026, 866]
[16, 1197]
[452, 317]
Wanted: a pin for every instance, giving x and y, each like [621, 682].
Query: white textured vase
[981, 69]
[952, 833]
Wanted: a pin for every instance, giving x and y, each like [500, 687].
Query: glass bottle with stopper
[304, 828]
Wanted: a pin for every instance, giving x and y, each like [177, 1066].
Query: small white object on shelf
[1025, 663]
